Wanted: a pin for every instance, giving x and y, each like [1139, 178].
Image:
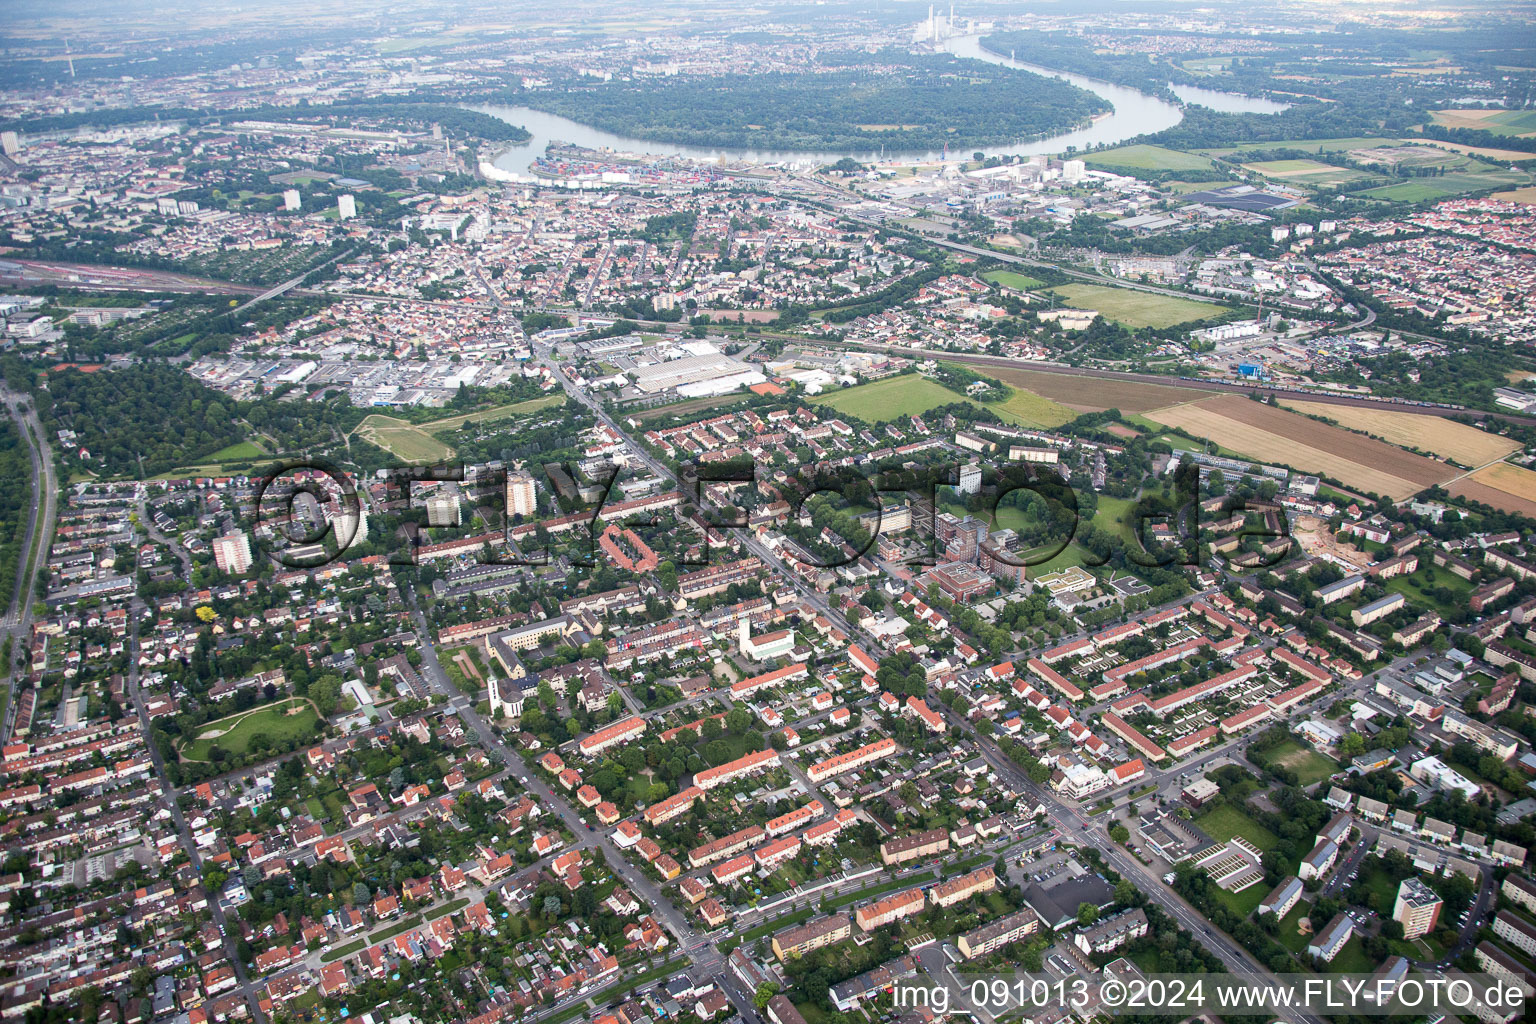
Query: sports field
[913, 395]
[1225, 821]
[1504, 486]
[1268, 434]
[1135, 308]
[1148, 158]
[1309, 765]
[294, 717]
[1451, 440]
[1012, 279]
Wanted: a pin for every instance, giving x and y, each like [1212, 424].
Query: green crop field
[913, 395]
[1148, 158]
[1290, 166]
[1012, 279]
[1137, 309]
[274, 721]
[1454, 184]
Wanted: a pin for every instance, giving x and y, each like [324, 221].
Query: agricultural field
[1524, 196]
[1148, 158]
[1518, 123]
[1269, 434]
[1092, 394]
[1012, 279]
[913, 395]
[1137, 309]
[1502, 485]
[1448, 439]
[1309, 145]
[1456, 183]
[1306, 172]
[294, 717]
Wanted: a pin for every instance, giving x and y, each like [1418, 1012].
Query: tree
[1125, 892]
[766, 991]
[1087, 914]
[1119, 833]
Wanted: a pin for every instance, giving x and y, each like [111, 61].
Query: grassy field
[1246, 902]
[1352, 959]
[1416, 588]
[1223, 822]
[1012, 279]
[414, 442]
[275, 721]
[403, 440]
[500, 412]
[1148, 158]
[913, 395]
[240, 450]
[1291, 936]
[1137, 309]
[1309, 765]
[1031, 409]
[1446, 438]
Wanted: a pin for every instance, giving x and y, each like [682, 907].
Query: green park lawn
[273, 721]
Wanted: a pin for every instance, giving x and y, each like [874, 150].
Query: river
[1135, 113]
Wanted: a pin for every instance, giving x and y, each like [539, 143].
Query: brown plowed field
[1274, 435]
[1094, 394]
